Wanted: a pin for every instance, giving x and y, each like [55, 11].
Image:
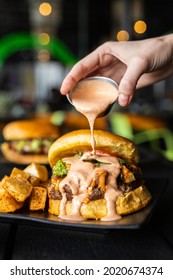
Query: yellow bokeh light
[122, 35]
[43, 55]
[44, 39]
[140, 26]
[45, 9]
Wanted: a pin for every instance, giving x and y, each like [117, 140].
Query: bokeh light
[43, 55]
[45, 9]
[44, 39]
[140, 26]
[122, 35]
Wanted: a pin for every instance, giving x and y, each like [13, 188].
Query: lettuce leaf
[60, 169]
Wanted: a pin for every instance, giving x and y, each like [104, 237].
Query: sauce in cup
[94, 97]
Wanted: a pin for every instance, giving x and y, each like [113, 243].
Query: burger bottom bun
[15, 157]
[96, 209]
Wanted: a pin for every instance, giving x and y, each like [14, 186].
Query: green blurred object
[57, 118]
[12, 43]
[35, 144]
[121, 125]
[20, 145]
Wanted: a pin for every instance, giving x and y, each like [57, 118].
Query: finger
[67, 84]
[79, 71]
[129, 81]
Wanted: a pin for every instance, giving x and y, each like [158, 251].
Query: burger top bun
[28, 129]
[80, 141]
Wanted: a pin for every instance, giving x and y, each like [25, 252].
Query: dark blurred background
[40, 41]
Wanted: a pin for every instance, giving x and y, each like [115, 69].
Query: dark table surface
[20, 240]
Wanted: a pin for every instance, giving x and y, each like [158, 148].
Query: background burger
[102, 185]
[28, 141]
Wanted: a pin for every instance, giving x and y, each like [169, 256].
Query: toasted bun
[96, 209]
[25, 129]
[15, 157]
[79, 141]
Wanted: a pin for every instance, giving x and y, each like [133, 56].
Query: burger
[103, 184]
[27, 141]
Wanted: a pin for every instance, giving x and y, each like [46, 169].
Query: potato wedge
[37, 170]
[16, 172]
[38, 197]
[2, 190]
[8, 203]
[54, 206]
[34, 180]
[18, 187]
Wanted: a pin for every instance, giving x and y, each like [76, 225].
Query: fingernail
[123, 99]
[63, 91]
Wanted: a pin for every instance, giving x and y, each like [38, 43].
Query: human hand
[132, 64]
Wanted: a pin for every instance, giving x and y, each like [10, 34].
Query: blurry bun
[28, 129]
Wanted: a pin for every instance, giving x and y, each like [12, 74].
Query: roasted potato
[31, 183]
[7, 202]
[54, 206]
[38, 198]
[18, 187]
[2, 190]
[37, 170]
[16, 172]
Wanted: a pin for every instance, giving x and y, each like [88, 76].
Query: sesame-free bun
[28, 129]
[23, 130]
[80, 141]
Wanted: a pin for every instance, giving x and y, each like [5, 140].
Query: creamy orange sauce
[79, 178]
[92, 98]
